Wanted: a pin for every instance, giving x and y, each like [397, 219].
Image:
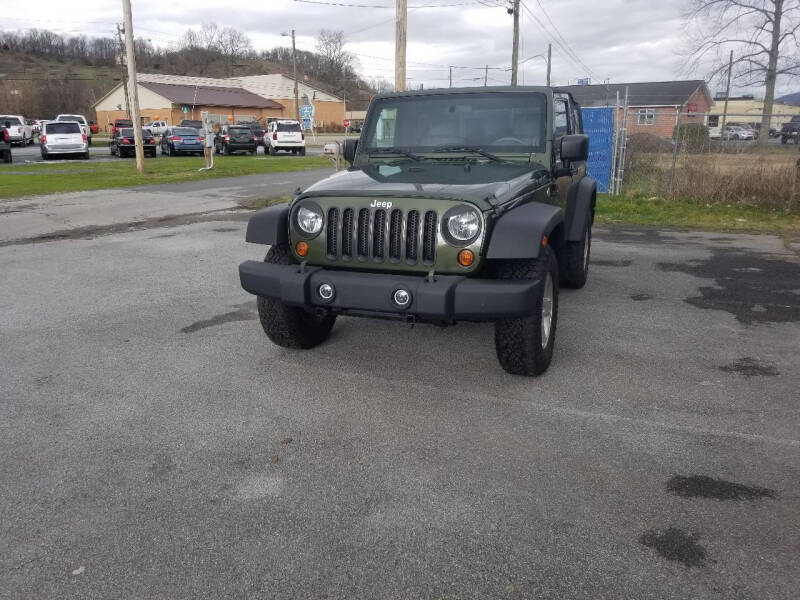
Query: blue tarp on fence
[598, 124]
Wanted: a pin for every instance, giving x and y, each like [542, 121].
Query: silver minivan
[63, 137]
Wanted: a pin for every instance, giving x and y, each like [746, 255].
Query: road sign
[185, 110]
[307, 111]
[306, 122]
[346, 123]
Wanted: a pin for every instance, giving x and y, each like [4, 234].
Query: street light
[294, 69]
[542, 56]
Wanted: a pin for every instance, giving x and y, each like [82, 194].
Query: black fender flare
[581, 199]
[518, 232]
[269, 226]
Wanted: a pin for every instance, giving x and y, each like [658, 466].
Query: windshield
[184, 131]
[496, 122]
[289, 127]
[123, 122]
[77, 118]
[62, 128]
[10, 121]
[240, 130]
[128, 132]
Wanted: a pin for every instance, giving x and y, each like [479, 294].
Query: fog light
[326, 291]
[301, 248]
[465, 258]
[402, 298]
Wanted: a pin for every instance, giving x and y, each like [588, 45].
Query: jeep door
[566, 121]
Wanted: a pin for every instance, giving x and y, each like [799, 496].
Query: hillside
[793, 99]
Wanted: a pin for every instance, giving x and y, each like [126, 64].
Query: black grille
[333, 231]
[347, 232]
[379, 233]
[412, 235]
[395, 225]
[429, 237]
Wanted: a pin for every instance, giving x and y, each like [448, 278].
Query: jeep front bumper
[447, 298]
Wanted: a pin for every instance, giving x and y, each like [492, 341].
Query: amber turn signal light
[301, 248]
[465, 258]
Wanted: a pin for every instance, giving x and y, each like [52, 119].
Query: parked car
[235, 138]
[122, 144]
[5, 144]
[182, 140]
[120, 124]
[192, 123]
[19, 131]
[80, 119]
[753, 128]
[734, 132]
[790, 133]
[257, 129]
[157, 127]
[285, 134]
[437, 221]
[715, 133]
[94, 128]
[35, 126]
[63, 137]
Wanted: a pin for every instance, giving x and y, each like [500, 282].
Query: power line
[349, 5]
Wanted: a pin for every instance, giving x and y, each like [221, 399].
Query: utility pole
[401, 20]
[485, 75]
[296, 84]
[515, 47]
[549, 61]
[727, 95]
[451, 76]
[131, 55]
[121, 54]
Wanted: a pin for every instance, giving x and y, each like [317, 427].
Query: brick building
[653, 107]
[240, 99]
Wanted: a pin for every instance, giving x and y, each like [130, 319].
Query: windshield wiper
[400, 151]
[474, 149]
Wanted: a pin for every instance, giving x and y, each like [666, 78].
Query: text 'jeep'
[459, 205]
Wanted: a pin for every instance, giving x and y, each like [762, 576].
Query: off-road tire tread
[289, 326]
[518, 341]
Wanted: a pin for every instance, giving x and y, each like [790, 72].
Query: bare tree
[330, 45]
[233, 44]
[762, 35]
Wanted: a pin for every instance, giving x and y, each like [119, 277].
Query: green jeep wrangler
[458, 205]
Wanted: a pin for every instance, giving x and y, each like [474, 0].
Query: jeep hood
[484, 185]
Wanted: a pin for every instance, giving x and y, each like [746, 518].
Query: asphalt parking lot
[156, 445]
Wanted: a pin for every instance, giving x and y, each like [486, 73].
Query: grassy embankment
[55, 177]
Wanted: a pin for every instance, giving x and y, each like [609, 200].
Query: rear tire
[7, 156]
[525, 345]
[86, 155]
[290, 326]
[574, 260]
[303, 151]
[271, 150]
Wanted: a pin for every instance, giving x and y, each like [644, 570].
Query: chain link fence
[706, 158]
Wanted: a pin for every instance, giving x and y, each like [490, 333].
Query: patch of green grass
[641, 210]
[53, 177]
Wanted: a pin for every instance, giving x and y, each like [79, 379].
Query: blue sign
[307, 111]
[598, 124]
[306, 122]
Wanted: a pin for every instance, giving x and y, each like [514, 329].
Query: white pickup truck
[83, 122]
[156, 127]
[19, 131]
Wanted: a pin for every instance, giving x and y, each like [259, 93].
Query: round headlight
[462, 224]
[309, 220]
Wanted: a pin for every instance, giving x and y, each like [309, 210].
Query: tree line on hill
[47, 73]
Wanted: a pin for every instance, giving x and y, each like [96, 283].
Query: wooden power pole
[121, 54]
[549, 60]
[400, 46]
[134, 94]
[727, 95]
[515, 47]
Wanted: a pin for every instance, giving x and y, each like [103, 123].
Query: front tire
[290, 326]
[525, 345]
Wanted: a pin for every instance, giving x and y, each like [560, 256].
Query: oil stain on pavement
[752, 288]
[612, 263]
[676, 545]
[750, 367]
[641, 296]
[702, 486]
[244, 312]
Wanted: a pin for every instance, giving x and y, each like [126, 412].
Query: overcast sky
[620, 40]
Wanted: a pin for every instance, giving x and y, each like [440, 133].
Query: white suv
[83, 122]
[18, 130]
[285, 134]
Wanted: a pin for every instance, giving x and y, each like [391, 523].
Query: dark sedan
[181, 140]
[122, 143]
[232, 138]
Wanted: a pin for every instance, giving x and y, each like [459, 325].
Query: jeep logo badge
[379, 204]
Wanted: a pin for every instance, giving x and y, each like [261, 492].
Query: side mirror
[574, 148]
[349, 149]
